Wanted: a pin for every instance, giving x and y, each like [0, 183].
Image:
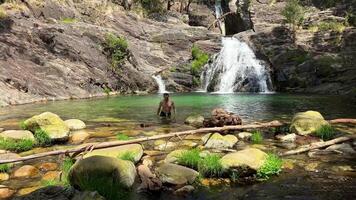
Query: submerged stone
[251, 157]
[176, 174]
[195, 120]
[305, 123]
[75, 124]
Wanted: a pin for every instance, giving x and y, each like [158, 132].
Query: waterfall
[235, 69]
[218, 13]
[160, 83]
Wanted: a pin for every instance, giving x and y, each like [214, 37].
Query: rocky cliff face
[55, 49]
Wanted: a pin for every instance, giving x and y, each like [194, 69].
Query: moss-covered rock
[135, 150]
[17, 135]
[176, 174]
[75, 124]
[51, 123]
[218, 141]
[195, 120]
[109, 176]
[305, 123]
[251, 157]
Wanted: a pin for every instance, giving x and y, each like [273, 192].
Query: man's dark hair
[165, 94]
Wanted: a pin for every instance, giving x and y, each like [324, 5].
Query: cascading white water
[235, 69]
[160, 83]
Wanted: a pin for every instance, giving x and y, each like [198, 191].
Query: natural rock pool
[305, 176]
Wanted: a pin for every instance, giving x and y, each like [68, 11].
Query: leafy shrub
[23, 125]
[325, 132]
[128, 155]
[4, 168]
[189, 158]
[200, 58]
[121, 136]
[272, 166]
[152, 6]
[68, 20]
[256, 137]
[17, 146]
[210, 166]
[332, 25]
[42, 137]
[293, 13]
[117, 48]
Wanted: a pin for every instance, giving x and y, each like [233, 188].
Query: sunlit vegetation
[4, 168]
[68, 20]
[210, 166]
[121, 136]
[271, 167]
[256, 137]
[189, 158]
[128, 155]
[42, 137]
[117, 47]
[16, 145]
[326, 132]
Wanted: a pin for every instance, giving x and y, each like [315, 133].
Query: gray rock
[185, 190]
[195, 120]
[287, 138]
[244, 135]
[176, 174]
[217, 141]
[17, 135]
[75, 124]
[341, 148]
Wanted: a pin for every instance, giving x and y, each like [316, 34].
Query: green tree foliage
[152, 6]
[293, 14]
[200, 58]
[117, 47]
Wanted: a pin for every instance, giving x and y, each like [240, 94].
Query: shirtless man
[166, 106]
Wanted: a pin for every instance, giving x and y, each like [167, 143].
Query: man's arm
[159, 108]
[173, 108]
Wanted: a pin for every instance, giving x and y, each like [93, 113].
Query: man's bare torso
[167, 106]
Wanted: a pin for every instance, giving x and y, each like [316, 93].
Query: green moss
[121, 136]
[68, 20]
[23, 125]
[332, 26]
[128, 155]
[325, 132]
[65, 167]
[272, 166]
[256, 137]
[200, 58]
[46, 183]
[42, 137]
[4, 168]
[117, 47]
[17, 146]
[210, 166]
[189, 158]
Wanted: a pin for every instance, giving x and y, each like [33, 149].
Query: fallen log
[144, 139]
[343, 120]
[317, 145]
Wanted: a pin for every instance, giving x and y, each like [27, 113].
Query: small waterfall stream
[160, 83]
[235, 69]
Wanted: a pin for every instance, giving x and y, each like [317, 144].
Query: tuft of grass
[68, 20]
[107, 91]
[17, 146]
[117, 47]
[325, 132]
[46, 183]
[23, 125]
[121, 136]
[42, 137]
[210, 166]
[256, 137]
[331, 25]
[200, 58]
[4, 168]
[128, 155]
[65, 167]
[272, 166]
[189, 158]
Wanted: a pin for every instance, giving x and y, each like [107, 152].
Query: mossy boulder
[305, 123]
[217, 141]
[75, 124]
[176, 174]
[195, 120]
[135, 150]
[51, 123]
[17, 135]
[173, 156]
[250, 157]
[110, 177]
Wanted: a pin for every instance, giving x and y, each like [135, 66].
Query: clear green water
[251, 107]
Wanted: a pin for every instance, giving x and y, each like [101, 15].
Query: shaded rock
[251, 157]
[79, 136]
[287, 138]
[185, 190]
[5, 192]
[163, 145]
[244, 135]
[217, 141]
[308, 122]
[48, 166]
[75, 124]
[341, 148]
[133, 149]
[4, 176]
[51, 123]
[195, 120]
[26, 171]
[17, 135]
[110, 173]
[176, 174]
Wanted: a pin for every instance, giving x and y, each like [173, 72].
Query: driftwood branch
[317, 145]
[220, 18]
[343, 120]
[144, 139]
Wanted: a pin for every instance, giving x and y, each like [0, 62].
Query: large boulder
[75, 124]
[135, 150]
[176, 174]
[17, 135]
[103, 174]
[195, 120]
[305, 123]
[217, 141]
[51, 123]
[220, 117]
[251, 157]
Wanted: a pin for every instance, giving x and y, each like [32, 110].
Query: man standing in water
[166, 107]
